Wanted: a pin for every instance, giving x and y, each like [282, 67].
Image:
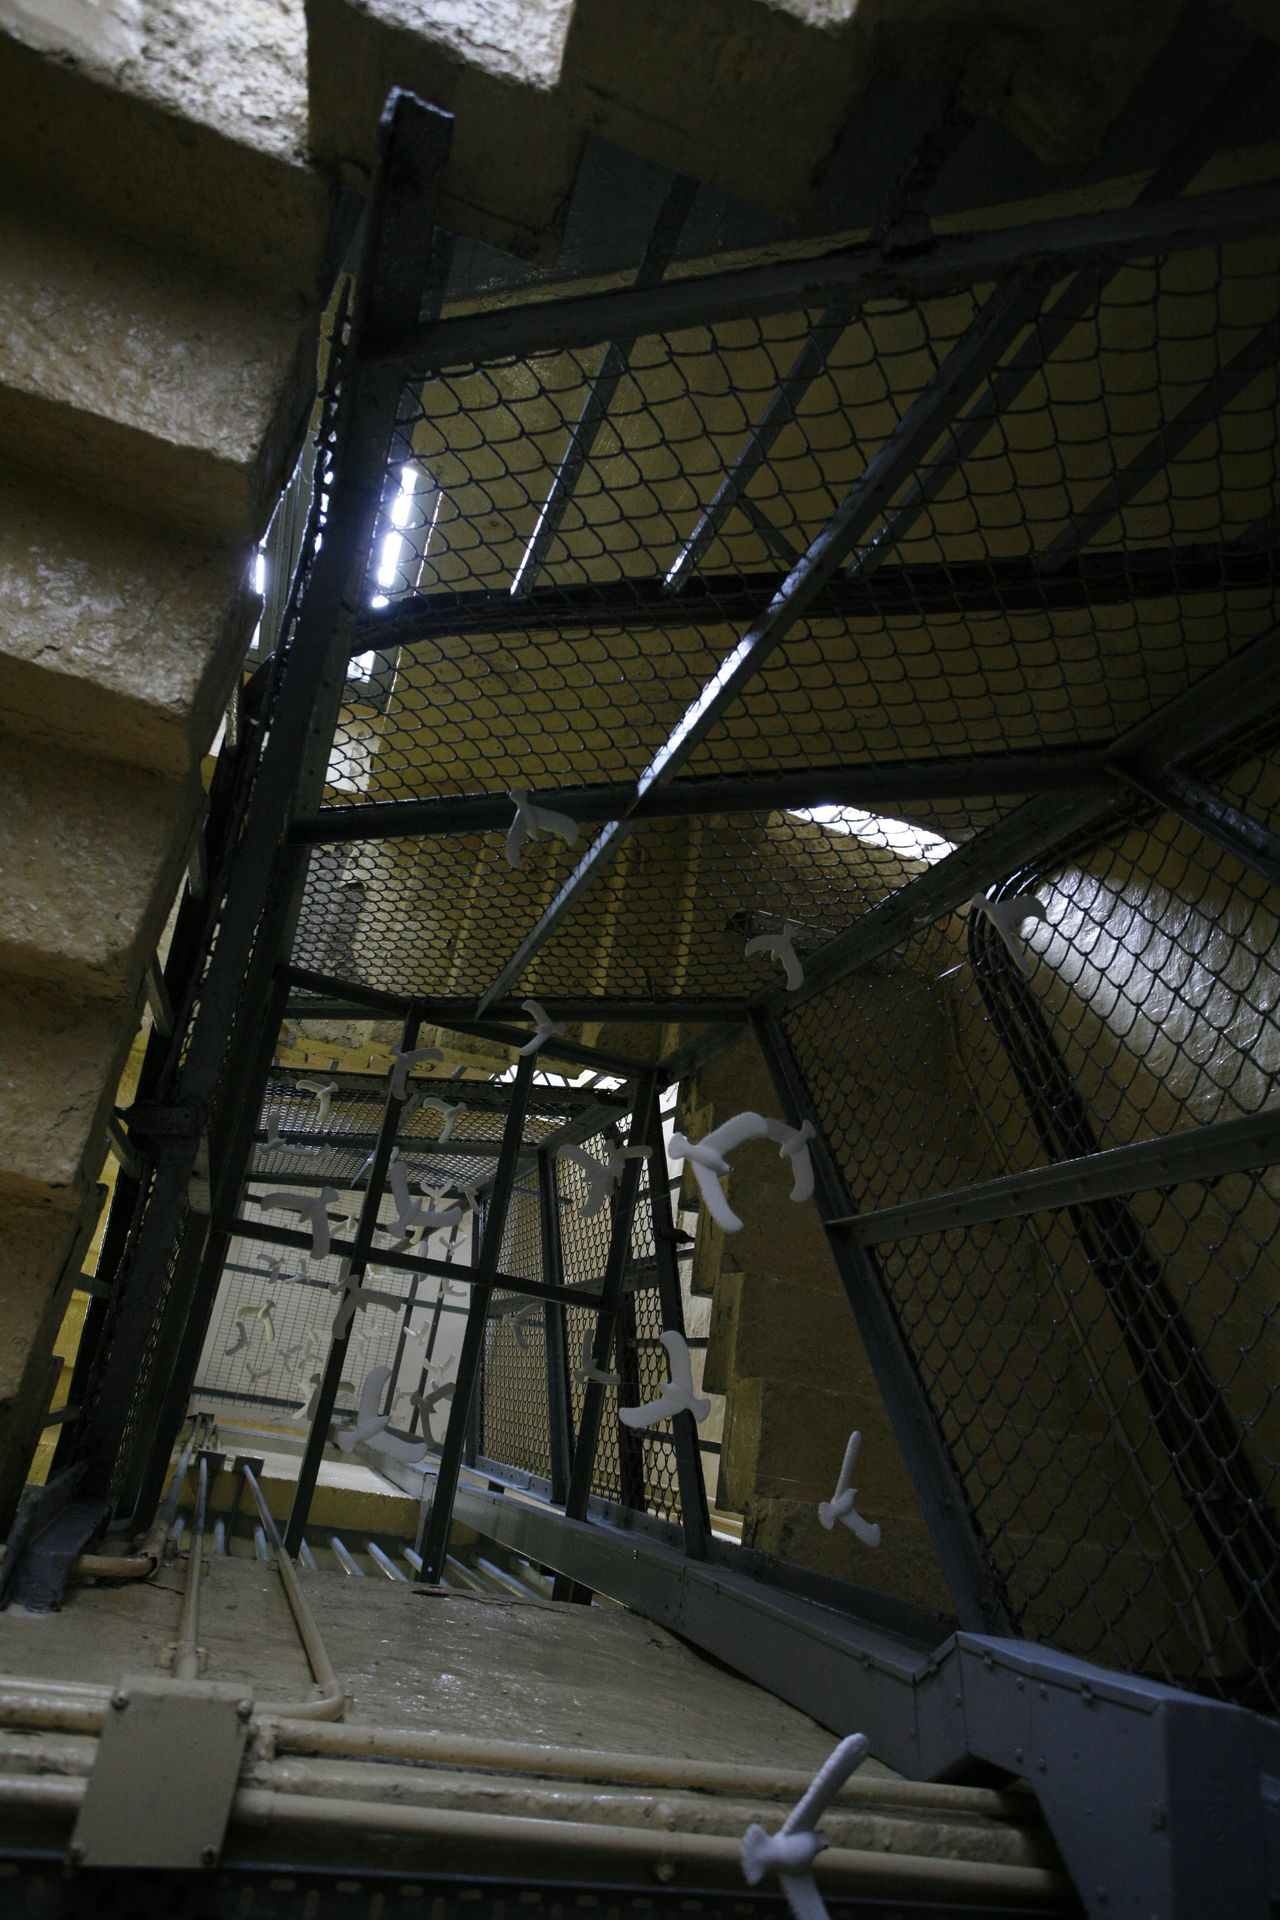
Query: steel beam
[871, 788]
[904, 591]
[433, 1540]
[1237, 832]
[1257, 356]
[854, 275]
[608, 377]
[752, 456]
[414, 1263]
[971, 1581]
[1198, 1153]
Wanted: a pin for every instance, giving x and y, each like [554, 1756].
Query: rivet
[209, 1855]
[120, 1700]
[664, 1870]
[244, 1709]
[75, 1853]
[1042, 1765]
[1017, 1754]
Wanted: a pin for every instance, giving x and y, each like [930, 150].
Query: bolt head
[119, 1699]
[75, 1853]
[664, 1870]
[244, 1709]
[210, 1856]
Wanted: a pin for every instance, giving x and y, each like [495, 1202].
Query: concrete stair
[160, 249]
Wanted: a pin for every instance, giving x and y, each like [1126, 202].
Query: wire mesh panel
[1104, 1374]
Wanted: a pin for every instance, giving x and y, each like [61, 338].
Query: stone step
[89, 861]
[60, 1060]
[188, 137]
[118, 639]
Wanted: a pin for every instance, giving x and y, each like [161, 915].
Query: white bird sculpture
[411, 1215]
[371, 1426]
[707, 1158]
[449, 1115]
[791, 1852]
[314, 1207]
[238, 1341]
[532, 821]
[781, 946]
[676, 1397]
[1007, 916]
[602, 1176]
[526, 1321]
[404, 1062]
[324, 1091]
[840, 1506]
[590, 1371]
[545, 1029]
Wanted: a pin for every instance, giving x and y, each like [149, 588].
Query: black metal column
[433, 1540]
[978, 1602]
[558, 1400]
[366, 1226]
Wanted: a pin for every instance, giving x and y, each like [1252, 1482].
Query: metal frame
[932, 1708]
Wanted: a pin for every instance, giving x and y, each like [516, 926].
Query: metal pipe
[591, 1851]
[384, 1560]
[344, 1557]
[186, 1654]
[330, 1702]
[638, 1769]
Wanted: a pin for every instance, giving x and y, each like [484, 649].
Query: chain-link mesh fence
[1103, 1373]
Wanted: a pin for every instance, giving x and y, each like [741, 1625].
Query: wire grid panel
[1101, 1373]
[515, 1415]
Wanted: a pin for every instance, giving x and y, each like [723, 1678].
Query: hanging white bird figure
[411, 1057]
[526, 1321]
[273, 1141]
[239, 1340]
[590, 1371]
[791, 1852]
[840, 1506]
[371, 1426]
[707, 1158]
[546, 1028]
[263, 1311]
[449, 1115]
[676, 1397]
[532, 821]
[261, 1372]
[602, 1175]
[314, 1207]
[324, 1091]
[782, 947]
[1007, 916]
[411, 1216]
